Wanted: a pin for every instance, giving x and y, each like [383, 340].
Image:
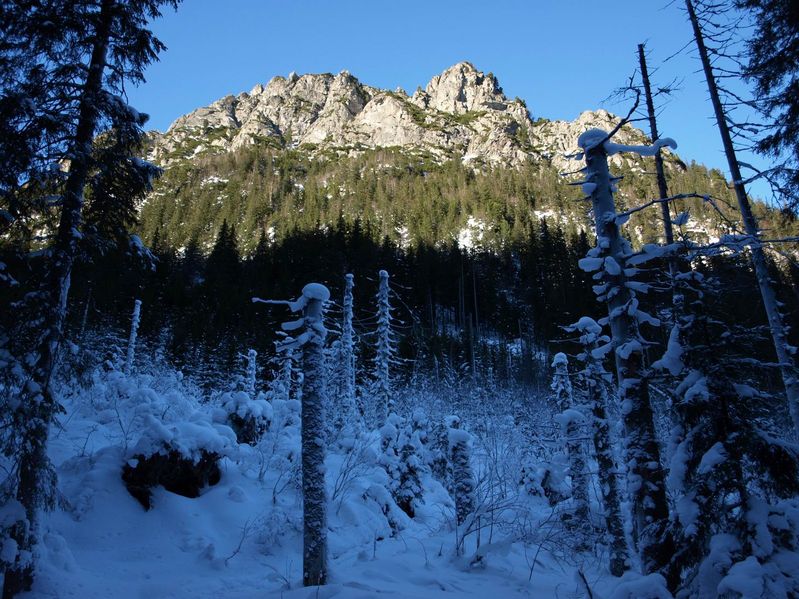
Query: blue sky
[561, 57]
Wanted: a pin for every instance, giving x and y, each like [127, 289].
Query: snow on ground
[235, 541]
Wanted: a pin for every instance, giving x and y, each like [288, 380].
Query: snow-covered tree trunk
[36, 478]
[617, 289]
[594, 385]
[572, 420]
[347, 347]
[251, 374]
[785, 353]
[134, 332]
[314, 498]
[382, 390]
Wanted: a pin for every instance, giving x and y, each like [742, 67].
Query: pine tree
[772, 64]
[76, 73]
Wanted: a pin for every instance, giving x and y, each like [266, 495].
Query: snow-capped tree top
[591, 139]
[587, 325]
[594, 137]
[312, 291]
[350, 278]
[316, 291]
[452, 421]
[560, 359]
[383, 274]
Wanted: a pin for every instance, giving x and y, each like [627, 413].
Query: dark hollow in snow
[174, 471]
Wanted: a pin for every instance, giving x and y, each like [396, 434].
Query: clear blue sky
[562, 57]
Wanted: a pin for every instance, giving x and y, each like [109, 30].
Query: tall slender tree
[385, 355]
[593, 382]
[75, 58]
[784, 352]
[617, 288]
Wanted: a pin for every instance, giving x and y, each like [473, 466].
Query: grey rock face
[462, 113]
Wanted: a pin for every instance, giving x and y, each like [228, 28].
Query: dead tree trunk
[314, 498]
[770, 304]
[616, 289]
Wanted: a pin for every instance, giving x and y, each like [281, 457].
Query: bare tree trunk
[645, 473]
[770, 304]
[134, 331]
[314, 498]
[663, 189]
[38, 408]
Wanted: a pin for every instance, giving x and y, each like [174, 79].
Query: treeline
[477, 310]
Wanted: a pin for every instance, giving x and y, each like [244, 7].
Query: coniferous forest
[244, 369]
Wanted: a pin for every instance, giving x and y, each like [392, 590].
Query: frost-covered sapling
[134, 331]
[182, 457]
[249, 416]
[385, 355]
[463, 481]
[438, 454]
[593, 382]
[408, 494]
[572, 422]
[349, 414]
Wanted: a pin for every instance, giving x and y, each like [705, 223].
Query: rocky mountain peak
[461, 89]
[461, 113]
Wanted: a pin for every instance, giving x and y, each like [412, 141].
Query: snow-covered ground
[242, 538]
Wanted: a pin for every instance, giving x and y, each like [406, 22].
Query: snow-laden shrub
[408, 490]
[463, 483]
[249, 418]
[182, 457]
[547, 479]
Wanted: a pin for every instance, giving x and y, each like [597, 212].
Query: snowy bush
[249, 418]
[181, 457]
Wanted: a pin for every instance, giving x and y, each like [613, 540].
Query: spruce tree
[734, 480]
[70, 80]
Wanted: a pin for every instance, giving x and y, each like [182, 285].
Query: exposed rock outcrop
[461, 114]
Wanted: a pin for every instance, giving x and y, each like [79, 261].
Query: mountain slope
[455, 161]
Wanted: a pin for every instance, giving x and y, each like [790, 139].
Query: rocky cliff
[461, 114]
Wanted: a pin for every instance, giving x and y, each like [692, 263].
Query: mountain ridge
[462, 113]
